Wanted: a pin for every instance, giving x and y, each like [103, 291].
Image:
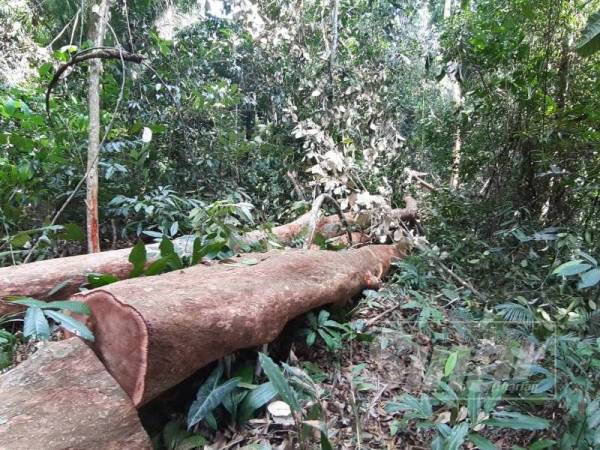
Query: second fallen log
[154, 332]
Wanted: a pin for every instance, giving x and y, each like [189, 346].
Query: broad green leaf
[474, 401]
[457, 436]
[197, 251]
[20, 239]
[450, 364]
[96, 280]
[29, 302]
[72, 232]
[542, 444]
[69, 305]
[589, 279]
[256, 399]
[157, 267]
[173, 433]
[202, 406]
[71, 324]
[167, 251]
[572, 268]
[589, 42]
[589, 257]
[191, 442]
[481, 442]
[280, 384]
[36, 325]
[517, 421]
[138, 259]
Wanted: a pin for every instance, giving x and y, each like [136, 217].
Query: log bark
[62, 397]
[37, 279]
[154, 332]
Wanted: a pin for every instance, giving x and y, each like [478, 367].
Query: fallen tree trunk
[38, 279]
[152, 333]
[62, 397]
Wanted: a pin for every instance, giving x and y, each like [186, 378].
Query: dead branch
[410, 173]
[93, 53]
[314, 217]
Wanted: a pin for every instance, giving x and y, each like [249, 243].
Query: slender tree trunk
[98, 24]
[452, 76]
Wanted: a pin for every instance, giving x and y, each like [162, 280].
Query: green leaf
[197, 251]
[542, 444]
[69, 305]
[280, 384]
[71, 324]
[96, 280]
[173, 434]
[36, 325]
[589, 279]
[589, 42]
[167, 251]
[138, 259]
[191, 442]
[517, 421]
[29, 302]
[157, 267]
[72, 232]
[481, 442]
[206, 404]
[457, 436]
[45, 69]
[20, 239]
[450, 364]
[474, 401]
[571, 268]
[256, 399]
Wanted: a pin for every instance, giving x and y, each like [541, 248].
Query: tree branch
[94, 53]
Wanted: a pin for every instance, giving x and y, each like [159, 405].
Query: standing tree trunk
[98, 24]
[452, 78]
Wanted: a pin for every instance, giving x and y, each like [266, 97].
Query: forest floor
[360, 381]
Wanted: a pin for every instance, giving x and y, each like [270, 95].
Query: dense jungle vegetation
[242, 113]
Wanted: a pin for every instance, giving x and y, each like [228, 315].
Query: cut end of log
[126, 356]
[62, 398]
[152, 333]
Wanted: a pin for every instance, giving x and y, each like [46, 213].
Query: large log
[38, 279]
[62, 397]
[154, 332]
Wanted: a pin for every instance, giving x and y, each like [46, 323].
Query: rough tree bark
[99, 20]
[38, 279]
[61, 398]
[152, 333]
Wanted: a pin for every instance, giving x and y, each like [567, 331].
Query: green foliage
[36, 326]
[586, 269]
[210, 395]
[331, 332]
[279, 382]
[8, 344]
[480, 403]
